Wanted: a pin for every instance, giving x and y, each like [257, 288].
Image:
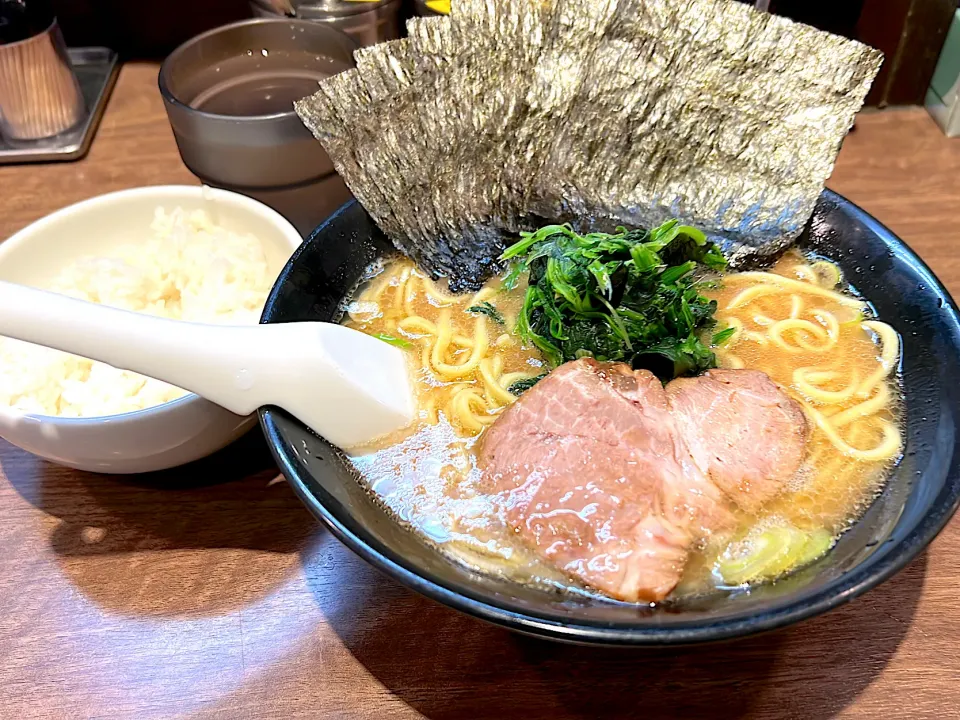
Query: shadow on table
[235, 499]
[445, 665]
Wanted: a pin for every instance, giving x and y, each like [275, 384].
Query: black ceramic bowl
[919, 499]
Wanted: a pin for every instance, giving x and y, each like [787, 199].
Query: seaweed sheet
[597, 112]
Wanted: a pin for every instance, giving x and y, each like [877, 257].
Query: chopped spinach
[630, 296]
[485, 308]
[521, 386]
[724, 335]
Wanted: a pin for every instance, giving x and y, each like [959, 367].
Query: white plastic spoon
[348, 387]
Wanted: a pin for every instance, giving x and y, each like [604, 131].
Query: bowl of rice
[187, 253]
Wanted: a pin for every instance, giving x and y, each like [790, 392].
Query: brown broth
[428, 475]
[833, 490]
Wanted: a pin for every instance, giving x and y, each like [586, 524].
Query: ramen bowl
[919, 498]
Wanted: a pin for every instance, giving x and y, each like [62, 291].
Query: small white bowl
[160, 437]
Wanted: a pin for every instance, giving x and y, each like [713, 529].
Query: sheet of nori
[598, 112]
[474, 109]
[708, 111]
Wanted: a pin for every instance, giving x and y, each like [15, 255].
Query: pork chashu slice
[599, 473]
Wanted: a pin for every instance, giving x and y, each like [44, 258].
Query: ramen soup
[833, 363]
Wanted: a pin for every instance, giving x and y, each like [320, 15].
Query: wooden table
[209, 592]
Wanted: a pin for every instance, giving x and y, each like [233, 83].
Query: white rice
[190, 269]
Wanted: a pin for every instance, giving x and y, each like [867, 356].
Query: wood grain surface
[209, 592]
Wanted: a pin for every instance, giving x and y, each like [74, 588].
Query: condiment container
[229, 96]
[39, 93]
[368, 23]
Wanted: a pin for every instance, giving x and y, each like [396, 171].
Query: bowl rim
[169, 96]
[850, 585]
[204, 192]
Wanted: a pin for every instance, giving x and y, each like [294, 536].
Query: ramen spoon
[348, 387]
